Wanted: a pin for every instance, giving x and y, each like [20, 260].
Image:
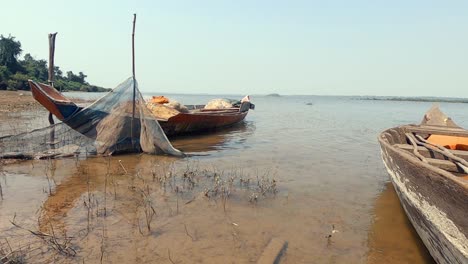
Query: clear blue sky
[407, 48]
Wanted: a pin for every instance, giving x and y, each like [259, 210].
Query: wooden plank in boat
[445, 165]
[436, 159]
[458, 132]
[233, 109]
[463, 176]
[430, 154]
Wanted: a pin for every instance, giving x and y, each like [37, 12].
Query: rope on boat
[418, 140]
[463, 164]
[413, 140]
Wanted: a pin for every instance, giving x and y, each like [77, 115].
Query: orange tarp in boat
[450, 142]
[159, 100]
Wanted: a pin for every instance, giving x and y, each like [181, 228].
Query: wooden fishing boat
[428, 167]
[196, 120]
[202, 120]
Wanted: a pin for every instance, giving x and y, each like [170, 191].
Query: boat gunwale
[40, 89]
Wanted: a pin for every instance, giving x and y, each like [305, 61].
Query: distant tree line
[14, 73]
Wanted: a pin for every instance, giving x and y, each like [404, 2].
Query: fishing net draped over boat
[102, 128]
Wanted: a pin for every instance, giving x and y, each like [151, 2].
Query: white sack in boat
[177, 106]
[218, 104]
[161, 111]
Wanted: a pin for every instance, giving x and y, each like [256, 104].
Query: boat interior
[52, 93]
[442, 147]
[201, 109]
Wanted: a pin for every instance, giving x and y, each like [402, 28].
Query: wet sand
[392, 238]
[220, 206]
[22, 101]
[16, 101]
[102, 206]
[106, 212]
[20, 112]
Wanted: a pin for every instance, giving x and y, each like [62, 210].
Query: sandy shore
[16, 101]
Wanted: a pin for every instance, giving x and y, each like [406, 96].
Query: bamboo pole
[51, 66]
[51, 57]
[134, 80]
[51, 81]
[133, 47]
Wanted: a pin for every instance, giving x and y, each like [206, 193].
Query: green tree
[58, 73]
[80, 78]
[35, 69]
[4, 77]
[14, 73]
[18, 81]
[9, 52]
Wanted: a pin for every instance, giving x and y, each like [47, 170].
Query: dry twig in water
[62, 247]
[188, 234]
[121, 165]
[169, 255]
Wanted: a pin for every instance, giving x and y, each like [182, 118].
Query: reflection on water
[324, 157]
[228, 138]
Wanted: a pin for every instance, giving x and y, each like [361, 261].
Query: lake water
[322, 153]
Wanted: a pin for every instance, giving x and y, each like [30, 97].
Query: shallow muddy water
[296, 167]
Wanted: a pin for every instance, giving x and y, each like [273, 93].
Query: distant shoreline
[415, 99]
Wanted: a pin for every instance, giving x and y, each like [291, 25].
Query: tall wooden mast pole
[51, 69]
[51, 57]
[133, 47]
[134, 80]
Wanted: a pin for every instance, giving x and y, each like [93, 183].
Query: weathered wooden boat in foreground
[196, 120]
[428, 167]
